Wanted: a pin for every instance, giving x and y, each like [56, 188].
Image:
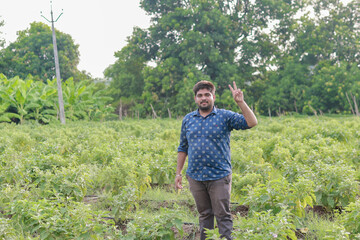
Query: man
[205, 139]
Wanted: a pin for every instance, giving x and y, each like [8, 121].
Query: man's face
[205, 99]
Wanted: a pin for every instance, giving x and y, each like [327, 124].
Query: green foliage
[6, 230]
[351, 219]
[192, 40]
[66, 182]
[324, 227]
[124, 172]
[76, 181]
[286, 60]
[2, 41]
[34, 100]
[336, 185]
[32, 53]
[265, 225]
[158, 227]
[54, 219]
[277, 193]
[239, 183]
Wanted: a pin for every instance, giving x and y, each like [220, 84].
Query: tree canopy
[2, 41]
[32, 53]
[280, 52]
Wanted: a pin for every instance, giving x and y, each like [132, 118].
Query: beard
[205, 108]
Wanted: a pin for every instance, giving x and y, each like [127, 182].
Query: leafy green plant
[18, 94]
[240, 182]
[351, 218]
[159, 227]
[7, 231]
[121, 173]
[57, 219]
[336, 185]
[213, 234]
[265, 225]
[324, 227]
[28, 99]
[123, 203]
[66, 182]
[278, 193]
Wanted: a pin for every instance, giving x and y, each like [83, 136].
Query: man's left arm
[248, 114]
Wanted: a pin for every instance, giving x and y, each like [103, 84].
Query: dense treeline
[287, 56]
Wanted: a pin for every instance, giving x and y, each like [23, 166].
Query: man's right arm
[180, 165]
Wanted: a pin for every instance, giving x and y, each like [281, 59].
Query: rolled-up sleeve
[237, 121]
[183, 146]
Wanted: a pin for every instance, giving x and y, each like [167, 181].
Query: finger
[235, 87]
[231, 89]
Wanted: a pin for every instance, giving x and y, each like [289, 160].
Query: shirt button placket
[202, 142]
[203, 128]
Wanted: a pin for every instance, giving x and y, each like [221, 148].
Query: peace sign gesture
[238, 95]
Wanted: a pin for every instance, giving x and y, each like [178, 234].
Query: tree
[276, 51]
[222, 41]
[126, 73]
[331, 83]
[32, 53]
[316, 49]
[2, 41]
[331, 32]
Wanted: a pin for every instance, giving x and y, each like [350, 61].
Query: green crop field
[293, 178]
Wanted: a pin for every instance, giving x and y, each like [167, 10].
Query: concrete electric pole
[57, 68]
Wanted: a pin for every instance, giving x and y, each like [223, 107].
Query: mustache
[204, 102]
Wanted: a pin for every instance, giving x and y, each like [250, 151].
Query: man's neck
[205, 113]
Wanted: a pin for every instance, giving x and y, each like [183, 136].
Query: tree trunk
[312, 109]
[269, 113]
[347, 97]
[120, 111]
[153, 110]
[356, 107]
[169, 113]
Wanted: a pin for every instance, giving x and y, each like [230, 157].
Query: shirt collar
[213, 112]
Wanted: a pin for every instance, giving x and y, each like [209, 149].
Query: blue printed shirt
[206, 140]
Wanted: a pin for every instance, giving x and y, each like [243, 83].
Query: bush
[277, 193]
[265, 225]
[351, 219]
[336, 185]
[57, 219]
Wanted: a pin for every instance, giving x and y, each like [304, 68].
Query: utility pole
[57, 68]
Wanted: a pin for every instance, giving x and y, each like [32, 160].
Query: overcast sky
[99, 27]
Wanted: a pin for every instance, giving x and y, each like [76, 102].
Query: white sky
[99, 27]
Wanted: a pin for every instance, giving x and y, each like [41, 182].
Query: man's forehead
[203, 90]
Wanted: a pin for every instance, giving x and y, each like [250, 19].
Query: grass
[159, 197]
[322, 227]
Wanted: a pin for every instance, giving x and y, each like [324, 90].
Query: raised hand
[237, 93]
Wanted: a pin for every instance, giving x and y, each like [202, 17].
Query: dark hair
[204, 84]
